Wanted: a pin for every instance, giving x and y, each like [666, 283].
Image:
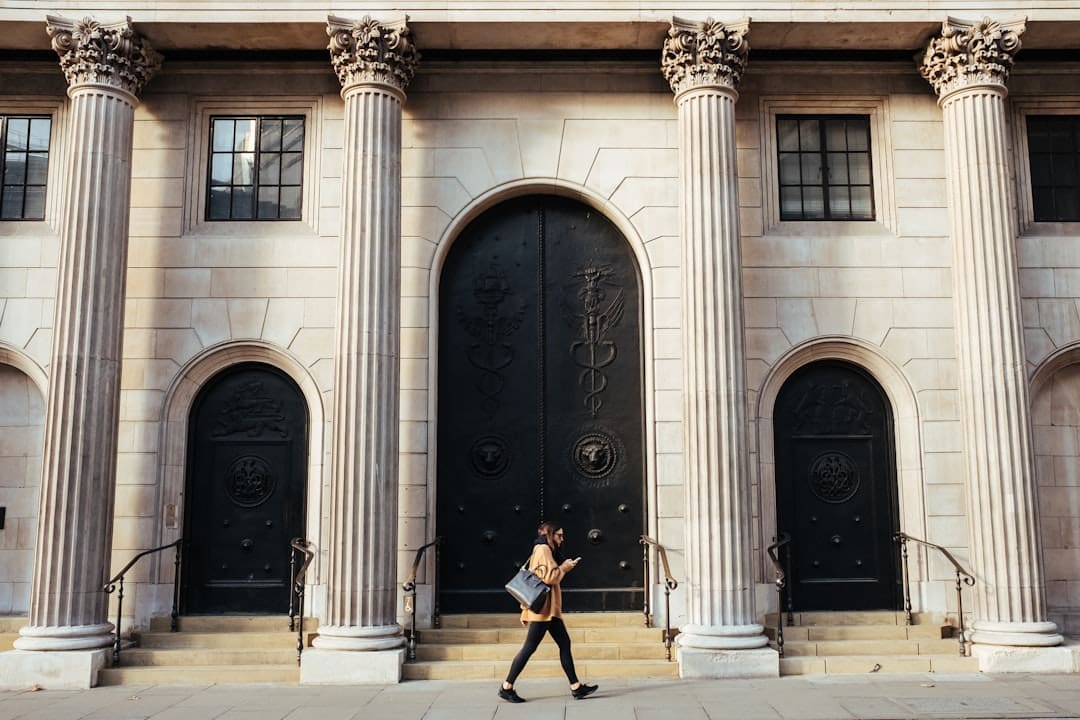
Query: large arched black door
[247, 465]
[540, 404]
[836, 488]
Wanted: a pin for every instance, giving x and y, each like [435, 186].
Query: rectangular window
[24, 166]
[1054, 153]
[825, 171]
[256, 168]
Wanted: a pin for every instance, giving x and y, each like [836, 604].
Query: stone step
[231, 623]
[12, 623]
[577, 620]
[877, 664]
[863, 617]
[221, 640]
[505, 652]
[143, 657]
[863, 632]
[589, 669]
[7, 639]
[870, 647]
[515, 636]
[200, 675]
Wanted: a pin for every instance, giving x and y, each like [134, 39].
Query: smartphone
[577, 559]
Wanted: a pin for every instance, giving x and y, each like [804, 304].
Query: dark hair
[547, 529]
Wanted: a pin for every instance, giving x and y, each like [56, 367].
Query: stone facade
[736, 299]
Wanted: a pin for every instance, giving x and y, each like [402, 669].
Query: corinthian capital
[971, 53]
[705, 53]
[367, 51]
[92, 53]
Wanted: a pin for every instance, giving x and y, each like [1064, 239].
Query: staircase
[480, 647]
[212, 649]
[9, 630]
[868, 642]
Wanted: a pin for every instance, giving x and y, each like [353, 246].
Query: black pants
[536, 633]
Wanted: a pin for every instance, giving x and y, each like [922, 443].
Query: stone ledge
[346, 667]
[759, 662]
[58, 670]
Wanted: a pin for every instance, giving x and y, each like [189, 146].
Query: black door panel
[540, 393]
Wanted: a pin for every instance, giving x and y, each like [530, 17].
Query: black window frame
[823, 150]
[1063, 166]
[27, 152]
[256, 185]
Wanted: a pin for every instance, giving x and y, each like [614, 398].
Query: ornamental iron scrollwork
[367, 51]
[251, 412]
[698, 54]
[594, 318]
[93, 53]
[491, 353]
[971, 53]
[832, 409]
[249, 481]
[833, 477]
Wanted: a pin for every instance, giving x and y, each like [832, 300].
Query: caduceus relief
[594, 319]
[490, 328]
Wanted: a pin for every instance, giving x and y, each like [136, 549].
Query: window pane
[14, 168]
[1061, 139]
[37, 168]
[290, 203]
[11, 204]
[836, 134]
[18, 133]
[813, 203]
[811, 168]
[809, 134]
[268, 202]
[243, 172]
[223, 135]
[858, 134]
[35, 204]
[269, 168]
[270, 131]
[1042, 169]
[838, 174]
[1065, 169]
[1067, 206]
[789, 169]
[790, 203]
[293, 137]
[862, 205]
[221, 169]
[244, 141]
[787, 134]
[220, 202]
[39, 133]
[291, 168]
[839, 205]
[243, 203]
[859, 168]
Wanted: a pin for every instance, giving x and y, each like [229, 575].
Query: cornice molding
[968, 53]
[369, 52]
[702, 54]
[98, 54]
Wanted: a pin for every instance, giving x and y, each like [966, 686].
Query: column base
[64, 637]
[1002, 659]
[754, 663]
[70, 670]
[722, 637]
[1016, 634]
[342, 667]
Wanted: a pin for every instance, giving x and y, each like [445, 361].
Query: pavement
[827, 697]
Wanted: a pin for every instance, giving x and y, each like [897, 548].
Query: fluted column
[704, 63]
[106, 66]
[375, 63]
[968, 66]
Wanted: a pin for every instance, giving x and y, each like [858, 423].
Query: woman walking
[548, 564]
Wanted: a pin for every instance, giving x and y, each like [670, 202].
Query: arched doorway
[836, 488]
[246, 474]
[540, 404]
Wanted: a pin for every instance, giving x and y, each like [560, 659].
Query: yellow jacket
[542, 562]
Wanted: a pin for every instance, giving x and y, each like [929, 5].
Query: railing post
[648, 581]
[292, 587]
[788, 589]
[907, 578]
[436, 618]
[119, 614]
[174, 620]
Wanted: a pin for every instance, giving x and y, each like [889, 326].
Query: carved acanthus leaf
[92, 53]
[369, 51]
[971, 53]
[705, 53]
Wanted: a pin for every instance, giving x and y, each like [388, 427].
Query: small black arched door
[247, 465]
[836, 488]
[540, 404]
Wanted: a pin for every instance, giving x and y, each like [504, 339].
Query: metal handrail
[297, 584]
[117, 584]
[784, 541]
[409, 599]
[670, 583]
[963, 577]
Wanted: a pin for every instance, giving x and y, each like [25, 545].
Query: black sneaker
[583, 691]
[512, 696]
